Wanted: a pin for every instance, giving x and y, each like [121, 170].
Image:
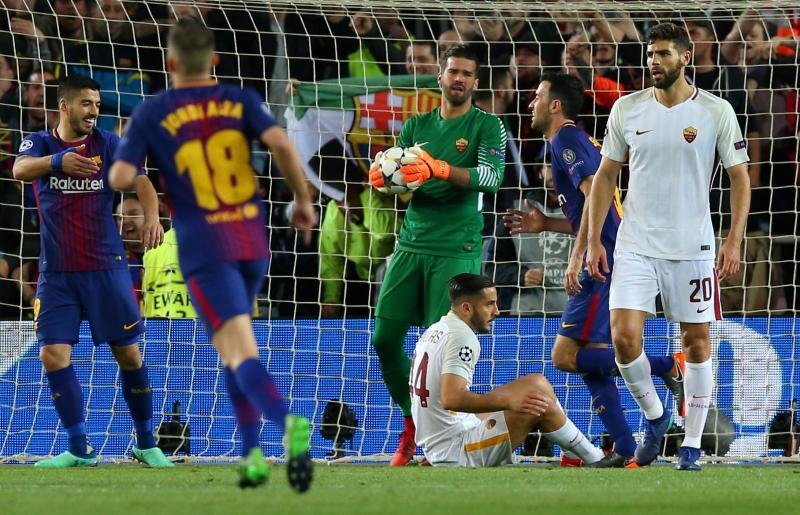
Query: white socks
[640, 384]
[571, 440]
[698, 384]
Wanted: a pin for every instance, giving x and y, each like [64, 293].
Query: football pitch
[378, 489]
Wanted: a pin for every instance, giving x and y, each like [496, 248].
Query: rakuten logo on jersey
[73, 185]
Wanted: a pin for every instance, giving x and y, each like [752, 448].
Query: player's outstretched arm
[455, 397]
[29, 168]
[602, 191]
[730, 252]
[518, 221]
[303, 216]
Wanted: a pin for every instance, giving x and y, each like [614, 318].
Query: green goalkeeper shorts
[415, 288]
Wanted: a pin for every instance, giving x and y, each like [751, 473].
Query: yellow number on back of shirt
[220, 172]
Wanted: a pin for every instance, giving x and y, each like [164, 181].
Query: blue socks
[259, 388]
[248, 419]
[139, 396]
[68, 400]
[601, 362]
[606, 403]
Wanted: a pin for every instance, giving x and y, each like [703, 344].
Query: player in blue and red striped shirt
[83, 270]
[582, 345]
[198, 134]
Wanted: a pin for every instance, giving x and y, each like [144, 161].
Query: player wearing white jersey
[670, 134]
[456, 427]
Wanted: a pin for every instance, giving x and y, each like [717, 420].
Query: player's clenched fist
[425, 168]
[152, 233]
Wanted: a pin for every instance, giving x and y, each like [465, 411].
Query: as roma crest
[689, 134]
[462, 144]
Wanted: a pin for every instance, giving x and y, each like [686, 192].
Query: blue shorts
[225, 290]
[105, 298]
[586, 316]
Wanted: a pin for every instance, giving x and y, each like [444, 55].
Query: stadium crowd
[749, 58]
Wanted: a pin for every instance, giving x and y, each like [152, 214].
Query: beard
[483, 326]
[456, 100]
[540, 123]
[77, 125]
[669, 78]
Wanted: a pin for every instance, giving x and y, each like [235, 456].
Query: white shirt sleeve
[460, 355]
[614, 145]
[731, 146]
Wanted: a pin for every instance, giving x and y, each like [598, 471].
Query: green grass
[377, 489]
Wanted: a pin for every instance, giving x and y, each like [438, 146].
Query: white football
[389, 163]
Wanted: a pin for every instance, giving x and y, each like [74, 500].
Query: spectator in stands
[130, 219]
[108, 57]
[69, 30]
[23, 35]
[370, 46]
[529, 270]
[34, 116]
[448, 38]
[421, 58]
[351, 253]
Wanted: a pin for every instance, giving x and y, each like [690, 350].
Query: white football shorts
[689, 289]
[487, 444]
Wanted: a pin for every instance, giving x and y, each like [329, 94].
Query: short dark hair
[464, 52]
[193, 44]
[670, 32]
[468, 285]
[490, 78]
[72, 85]
[568, 89]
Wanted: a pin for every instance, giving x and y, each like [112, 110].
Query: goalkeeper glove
[425, 168]
[375, 175]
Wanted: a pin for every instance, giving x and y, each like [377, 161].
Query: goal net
[343, 78]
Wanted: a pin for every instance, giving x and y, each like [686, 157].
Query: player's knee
[564, 358]
[626, 341]
[128, 357]
[539, 383]
[54, 357]
[696, 344]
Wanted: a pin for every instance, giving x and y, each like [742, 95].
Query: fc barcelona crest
[689, 134]
[462, 144]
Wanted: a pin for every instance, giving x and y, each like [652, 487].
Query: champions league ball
[390, 162]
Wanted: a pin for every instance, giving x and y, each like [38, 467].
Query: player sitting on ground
[83, 270]
[198, 134]
[456, 427]
[582, 344]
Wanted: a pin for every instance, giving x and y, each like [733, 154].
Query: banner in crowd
[757, 374]
[356, 118]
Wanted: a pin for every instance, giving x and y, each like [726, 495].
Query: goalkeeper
[462, 156]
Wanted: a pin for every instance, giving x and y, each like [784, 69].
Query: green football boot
[299, 466]
[253, 469]
[153, 457]
[66, 460]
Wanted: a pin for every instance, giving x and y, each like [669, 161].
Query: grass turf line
[362, 489]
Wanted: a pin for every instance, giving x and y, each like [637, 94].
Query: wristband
[57, 158]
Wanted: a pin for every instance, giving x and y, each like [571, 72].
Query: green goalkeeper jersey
[444, 219]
